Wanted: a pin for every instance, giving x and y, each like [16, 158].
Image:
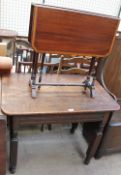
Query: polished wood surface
[57, 30]
[112, 69]
[16, 98]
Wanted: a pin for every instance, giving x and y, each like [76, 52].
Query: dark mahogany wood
[57, 30]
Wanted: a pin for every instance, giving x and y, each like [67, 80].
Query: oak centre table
[55, 104]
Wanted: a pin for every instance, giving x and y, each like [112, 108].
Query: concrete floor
[57, 152]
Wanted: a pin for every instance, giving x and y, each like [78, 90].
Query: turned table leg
[2, 145]
[92, 148]
[98, 153]
[94, 145]
[13, 144]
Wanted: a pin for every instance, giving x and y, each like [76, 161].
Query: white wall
[15, 14]
[109, 7]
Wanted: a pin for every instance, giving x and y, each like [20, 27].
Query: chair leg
[73, 128]
[49, 127]
[18, 67]
[42, 127]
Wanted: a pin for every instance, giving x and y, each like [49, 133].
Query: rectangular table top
[17, 100]
[68, 31]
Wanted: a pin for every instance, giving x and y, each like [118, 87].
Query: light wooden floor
[57, 152]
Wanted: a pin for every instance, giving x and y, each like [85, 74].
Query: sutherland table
[54, 105]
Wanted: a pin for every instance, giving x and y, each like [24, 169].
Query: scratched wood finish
[112, 69]
[16, 97]
[57, 30]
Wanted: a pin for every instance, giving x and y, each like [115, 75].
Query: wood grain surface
[57, 30]
[17, 100]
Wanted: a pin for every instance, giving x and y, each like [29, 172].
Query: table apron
[59, 118]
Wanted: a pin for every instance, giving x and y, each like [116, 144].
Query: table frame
[45, 110]
[101, 118]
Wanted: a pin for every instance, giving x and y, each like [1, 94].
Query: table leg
[2, 145]
[92, 66]
[34, 66]
[73, 128]
[92, 148]
[41, 67]
[33, 75]
[13, 144]
[98, 153]
[94, 145]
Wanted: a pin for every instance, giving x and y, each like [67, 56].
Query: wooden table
[54, 105]
[84, 35]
